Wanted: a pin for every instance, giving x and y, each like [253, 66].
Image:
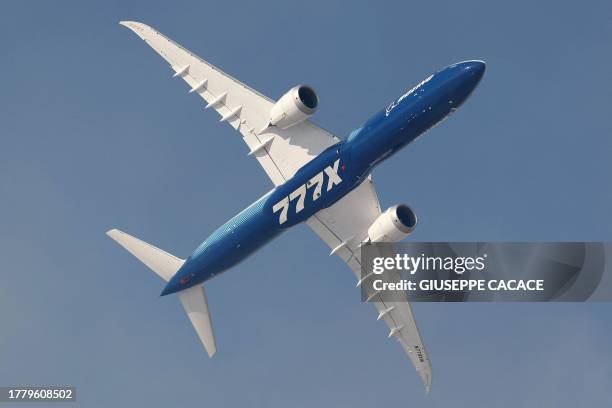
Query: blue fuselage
[332, 174]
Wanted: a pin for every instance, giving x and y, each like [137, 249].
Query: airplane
[320, 179]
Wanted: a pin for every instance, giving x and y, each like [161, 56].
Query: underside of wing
[280, 152]
[344, 226]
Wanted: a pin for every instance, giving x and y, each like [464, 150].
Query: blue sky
[96, 135]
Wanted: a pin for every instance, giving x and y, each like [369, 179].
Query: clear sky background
[95, 134]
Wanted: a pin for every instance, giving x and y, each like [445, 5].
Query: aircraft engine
[294, 107]
[393, 225]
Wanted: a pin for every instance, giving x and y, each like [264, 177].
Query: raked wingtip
[113, 232]
[139, 28]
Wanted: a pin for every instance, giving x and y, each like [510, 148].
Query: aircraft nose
[465, 77]
[473, 70]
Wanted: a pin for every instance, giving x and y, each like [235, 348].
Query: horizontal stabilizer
[195, 304]
[159, 261]
[165, 265]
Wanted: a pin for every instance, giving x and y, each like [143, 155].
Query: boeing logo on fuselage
[407, 94]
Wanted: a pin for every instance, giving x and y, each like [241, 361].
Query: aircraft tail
[165, 266]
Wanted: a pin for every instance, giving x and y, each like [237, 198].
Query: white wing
[280, 152]
[343, 226]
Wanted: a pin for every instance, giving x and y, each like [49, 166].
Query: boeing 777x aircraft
[319, 179]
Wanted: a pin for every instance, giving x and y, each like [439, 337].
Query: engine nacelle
[294, 107]
[393, 225]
